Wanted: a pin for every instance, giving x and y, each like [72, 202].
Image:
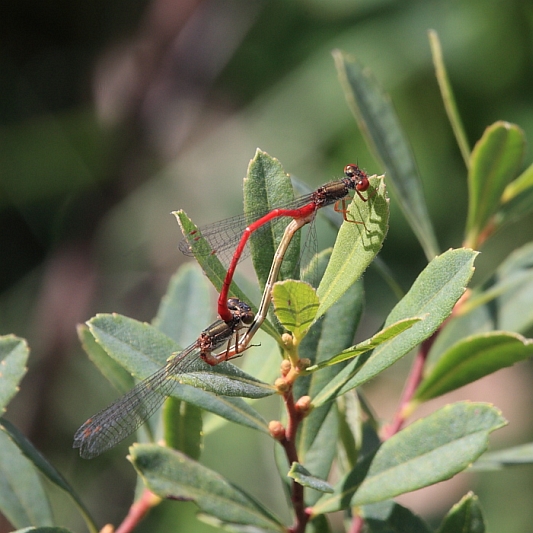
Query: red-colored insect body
[233, 234]
[108, 427]
[331, 193]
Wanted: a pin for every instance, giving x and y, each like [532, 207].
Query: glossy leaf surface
[432, 295]
[471, 359]
[430, 450]
[170, 474]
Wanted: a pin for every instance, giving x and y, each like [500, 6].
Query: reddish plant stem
[138, 511]
[288, 441]
[417, 371]
[293, 421]
[414, 379]
[357, 524]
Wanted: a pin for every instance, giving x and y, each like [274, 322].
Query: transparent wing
[223, 236]
[113, 424]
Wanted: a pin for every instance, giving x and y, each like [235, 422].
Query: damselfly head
[357, 176]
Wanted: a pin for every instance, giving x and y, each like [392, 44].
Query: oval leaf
[170, 474]
[295, 304]
[267, 186]
[471, 359]
[495, 162]
[430, 450]
[356, 245]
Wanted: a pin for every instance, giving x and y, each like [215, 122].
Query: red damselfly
[113, 424]
[233, 234]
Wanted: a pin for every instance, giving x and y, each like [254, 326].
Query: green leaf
[390, 517]
[447, 96]
[309, 346]
[185, 305]
[465, 516]
[381, 127]
[211, 265]
[519, 185]
[343, 491]
[350, 430]
[27, 448]
[142, 350]
[495, 161]
[232, 409]
[267, 186]
[306, 479]
[170, 474]
[183, 427]
[22, 498]
[330, 335]
[471, 359]
[433, 294]
[356, 245]
[138, 347]
[319, 454]
[109, 368]
[379, 338]
[478, 320]
[295, 304]
[13, 357]
[430, 450]
[516, 455]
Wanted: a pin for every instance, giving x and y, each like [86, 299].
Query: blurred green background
[113, 114]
